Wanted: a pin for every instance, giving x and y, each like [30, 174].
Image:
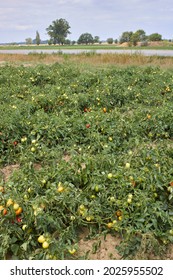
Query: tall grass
[90, 58]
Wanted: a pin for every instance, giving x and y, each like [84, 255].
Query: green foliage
[37, 39]
[110, 40]
[155, 37]
[58, 31]
[93, 148]
[85, 38]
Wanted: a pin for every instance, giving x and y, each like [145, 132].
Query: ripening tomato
[15, 143]
[110, 225]
[19, 211]
[18, 219]
[119, 213]
[5, 211]
[104, 110]
[88, 125]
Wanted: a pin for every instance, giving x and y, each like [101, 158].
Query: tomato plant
[86, 149]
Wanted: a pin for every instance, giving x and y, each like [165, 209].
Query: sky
[20, 19]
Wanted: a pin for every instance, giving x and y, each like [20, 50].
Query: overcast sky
[20, 19]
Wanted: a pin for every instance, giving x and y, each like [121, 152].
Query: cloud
[23, 27]
[103, 18]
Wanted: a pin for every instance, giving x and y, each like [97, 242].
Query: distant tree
[58, 31]
[126, 37]
[37, 39]
[96, 39]
[155, 37]
[67, 42]
[116, 41]
[140, 35]
[50, 42]
[134, 39]
[85, 38]
[110, 40]
[28, 41]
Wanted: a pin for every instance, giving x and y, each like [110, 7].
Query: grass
[88, 59]
[164, 45]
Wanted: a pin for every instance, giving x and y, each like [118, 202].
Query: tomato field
[92, 148]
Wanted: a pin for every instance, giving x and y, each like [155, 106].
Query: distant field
[163, 46]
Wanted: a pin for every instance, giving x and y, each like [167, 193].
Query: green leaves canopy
[58, 31]
[86, 38]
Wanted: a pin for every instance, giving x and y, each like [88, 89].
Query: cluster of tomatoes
[11, 206]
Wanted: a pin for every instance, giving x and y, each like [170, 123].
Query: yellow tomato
[110, 225]
[72, 251]
[9, 202]
[41, 239]
[60, 189]
[16, 206]
[45, 245]
[104, 110]
[1, 207]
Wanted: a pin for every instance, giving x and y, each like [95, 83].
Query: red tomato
[18, 219]
[88, 125]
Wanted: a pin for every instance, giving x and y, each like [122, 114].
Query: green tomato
[110, 175]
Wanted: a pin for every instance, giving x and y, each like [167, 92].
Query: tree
[67, 42]
[126, 37]
[28, 41]
[155, 37]
[85, 38]
[134, 39]
[58, 31]
[110, 40]
[37, 39]
[96, 39]
[141, 35]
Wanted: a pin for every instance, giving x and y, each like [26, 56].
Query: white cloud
[103, 18]
[23, 27]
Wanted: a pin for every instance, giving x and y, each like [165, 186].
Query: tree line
[60, 29]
